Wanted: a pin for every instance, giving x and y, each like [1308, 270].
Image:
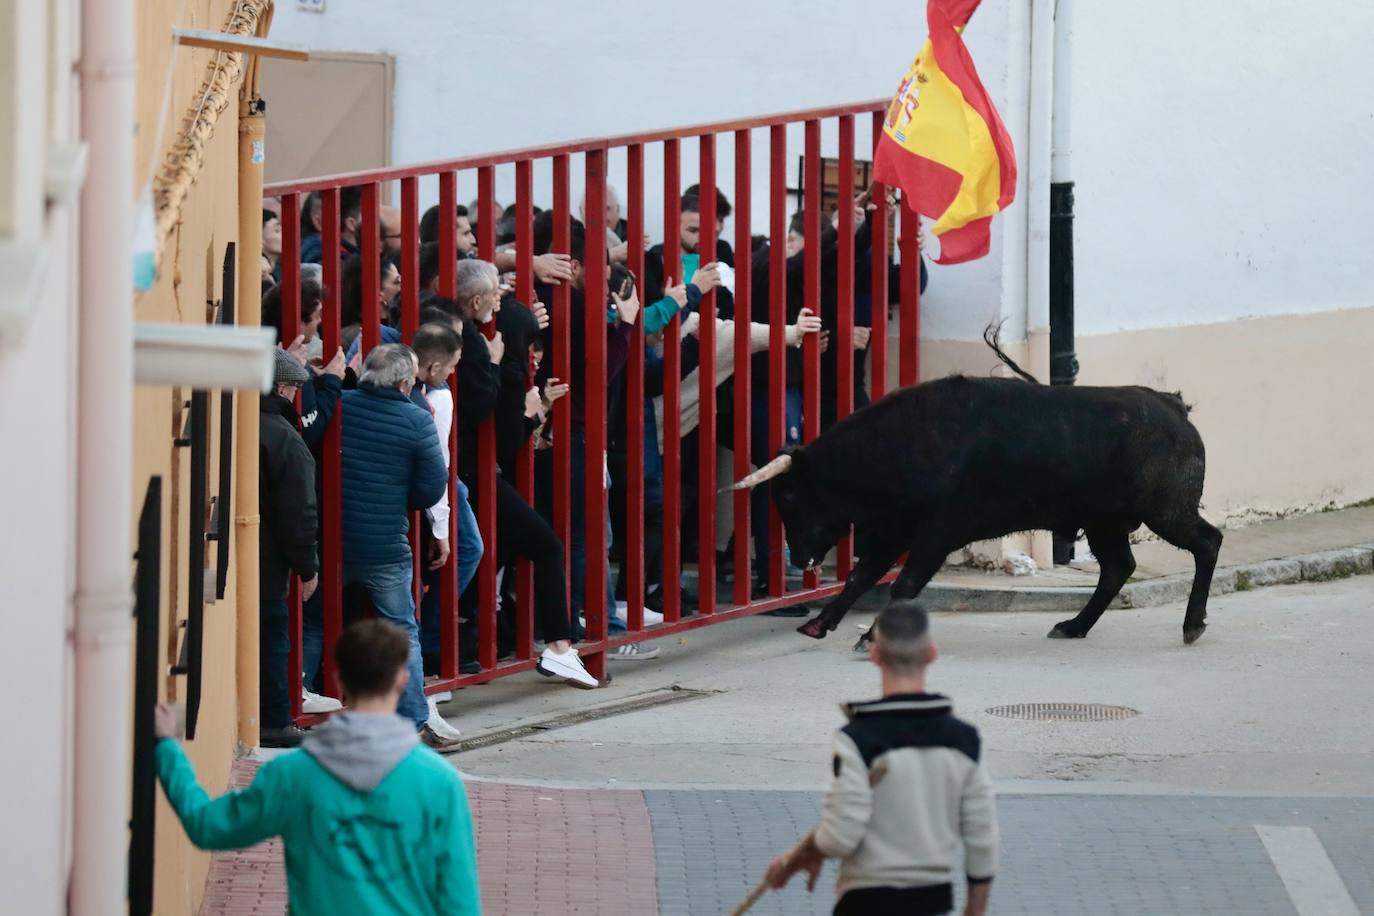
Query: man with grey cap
[286, 501]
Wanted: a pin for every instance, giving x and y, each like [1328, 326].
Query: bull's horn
[774, 468]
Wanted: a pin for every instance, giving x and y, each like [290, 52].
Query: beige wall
[1282, 402]
[190, 276]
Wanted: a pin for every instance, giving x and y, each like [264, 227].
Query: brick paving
[698, 852]
[530, 861]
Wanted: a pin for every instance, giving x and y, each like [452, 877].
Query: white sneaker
[567, 666]
[442, 696]
[622, 613]
[439, 725]
[633, 652]
[314, 704]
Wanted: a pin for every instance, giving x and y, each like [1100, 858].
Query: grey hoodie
[359, 748]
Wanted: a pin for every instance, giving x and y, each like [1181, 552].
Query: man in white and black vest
[909, 787]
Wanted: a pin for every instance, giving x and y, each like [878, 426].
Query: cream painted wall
[190, 276]
[1281, 402]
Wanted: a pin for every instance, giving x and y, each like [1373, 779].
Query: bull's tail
[990, 337]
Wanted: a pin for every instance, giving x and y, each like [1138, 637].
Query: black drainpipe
[1063, 359]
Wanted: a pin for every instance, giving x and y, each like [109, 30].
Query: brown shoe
[437, 741]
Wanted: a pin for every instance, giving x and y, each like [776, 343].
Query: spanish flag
[943, 143]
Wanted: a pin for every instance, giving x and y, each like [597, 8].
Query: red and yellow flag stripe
[943, 142]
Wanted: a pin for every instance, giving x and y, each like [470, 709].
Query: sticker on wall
[310, 6]
[258, 149]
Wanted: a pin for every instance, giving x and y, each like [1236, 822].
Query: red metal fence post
[706, 387]
[811, 257]
[562, 368]
[369, 251]
[672, 388]
[290, 324]
[331, 572]
[486, 451]
[594, 292]
[524, 472]
[448, 288]
[844, 307]
[877, 344]
[777, 341]
[410, 323]
[634, 400]
[744, 257]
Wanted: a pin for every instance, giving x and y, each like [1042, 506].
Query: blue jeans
[469, 549]
[390, 590]
[578, 547]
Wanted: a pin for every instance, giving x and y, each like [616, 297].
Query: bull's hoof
[1192, 634]
[1066, 630]
[862, 644]
[815, 628]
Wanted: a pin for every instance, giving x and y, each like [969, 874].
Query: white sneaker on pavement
[567, 666]
[314, 704]
[442, 696]
[439, 725]
[633, 652]
[651, 617]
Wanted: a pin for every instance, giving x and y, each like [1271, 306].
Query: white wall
[474, 78]
[1222, 157]
[37, 565]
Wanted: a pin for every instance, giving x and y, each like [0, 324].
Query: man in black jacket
[286, 498]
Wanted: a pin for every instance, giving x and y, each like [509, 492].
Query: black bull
[934, 467]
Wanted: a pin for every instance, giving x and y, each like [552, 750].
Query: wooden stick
[762, 886]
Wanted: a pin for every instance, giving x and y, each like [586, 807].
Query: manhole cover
[1064, 712]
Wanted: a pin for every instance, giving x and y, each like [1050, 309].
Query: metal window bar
[147, 586]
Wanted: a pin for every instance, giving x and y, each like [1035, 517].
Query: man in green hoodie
[372, 821]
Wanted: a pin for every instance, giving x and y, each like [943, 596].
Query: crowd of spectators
[399, 416]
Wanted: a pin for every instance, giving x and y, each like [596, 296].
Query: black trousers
[897, 901]
[274, 648]
[522, 532]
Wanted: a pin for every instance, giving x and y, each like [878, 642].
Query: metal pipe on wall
[102, 732]
[247, 521]
[1038, 216]
[1063, 360]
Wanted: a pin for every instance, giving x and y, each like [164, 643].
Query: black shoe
[471, 666]
[796, 610]
[287, 736]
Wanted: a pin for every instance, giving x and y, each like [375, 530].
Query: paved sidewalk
[1306, 548]
[698, 852]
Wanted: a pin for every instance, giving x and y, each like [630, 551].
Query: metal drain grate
[1064, 712]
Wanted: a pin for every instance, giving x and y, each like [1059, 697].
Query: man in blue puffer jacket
[392, 465]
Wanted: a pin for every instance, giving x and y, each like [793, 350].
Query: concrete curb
[1314, 567]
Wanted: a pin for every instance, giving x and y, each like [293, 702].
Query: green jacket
[403, 846]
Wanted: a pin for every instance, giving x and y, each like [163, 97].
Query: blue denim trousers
[389, 587]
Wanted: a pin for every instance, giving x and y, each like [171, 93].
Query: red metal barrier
[595, 155]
